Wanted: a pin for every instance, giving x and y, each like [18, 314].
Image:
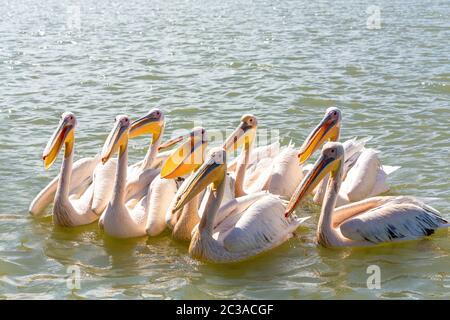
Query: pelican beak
[243, 135]
[168, 144]
[186, 158]
[63, 134]
[148, 124]
[118, 137]
[210, 172]
[328, 129]
[321, 168]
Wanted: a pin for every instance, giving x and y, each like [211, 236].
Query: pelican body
[363, 175]
[239, 229]
[269, 168]
[90, 176]
[185, 160]
[141, 175]
[72, 201]
[122, 218]
[367, 222]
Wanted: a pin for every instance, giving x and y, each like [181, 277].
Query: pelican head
[188, 156]
[62, 135]
[330, 160]
[327, 129]
[212, 171]
[243, 135]
[117, 138]
[151, 123]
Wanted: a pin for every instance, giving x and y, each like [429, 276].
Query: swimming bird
[123, 219]
[72, 201]
[181, 162]
[90, 170]
[236, 183]
[363, 174]
[186, 159]
[141, 174]
[368, 222]
[271, 168]
[257, 220]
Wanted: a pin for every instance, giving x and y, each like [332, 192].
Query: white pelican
[236, 184]
[81, 178]
[257, 221]
[183, 160]
[89, 170]
[72, 202]
[243, 135]
[141, 174]
[272, 168]
[123, 219]
[363, 175]
[364, 223]
[268, 168]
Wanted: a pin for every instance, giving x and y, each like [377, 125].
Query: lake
[207, 63]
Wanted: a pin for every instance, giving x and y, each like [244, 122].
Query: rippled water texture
[211, 61]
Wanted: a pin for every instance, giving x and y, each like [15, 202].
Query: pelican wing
[353, 149]
[362, 177]
[260, 227]
[259, 178]
[162, 191]
[138, 184]
[402, 218]
[81, 177]
[234, 206]
[286, 173]
[103, 184]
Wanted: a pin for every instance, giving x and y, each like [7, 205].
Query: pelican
[257, 221]
[89, 170]
[363, 175]
[183, 221]
[368, 222]
[123, 219]
[72, 202]
[268, 168]
[81, 177]
[185, 159]
[265, 168]
[141, 174]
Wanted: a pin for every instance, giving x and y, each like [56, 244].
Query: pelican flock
[229, 210]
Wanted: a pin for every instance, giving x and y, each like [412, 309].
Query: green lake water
[207, 63]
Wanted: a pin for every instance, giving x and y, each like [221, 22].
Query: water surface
[212, 61]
